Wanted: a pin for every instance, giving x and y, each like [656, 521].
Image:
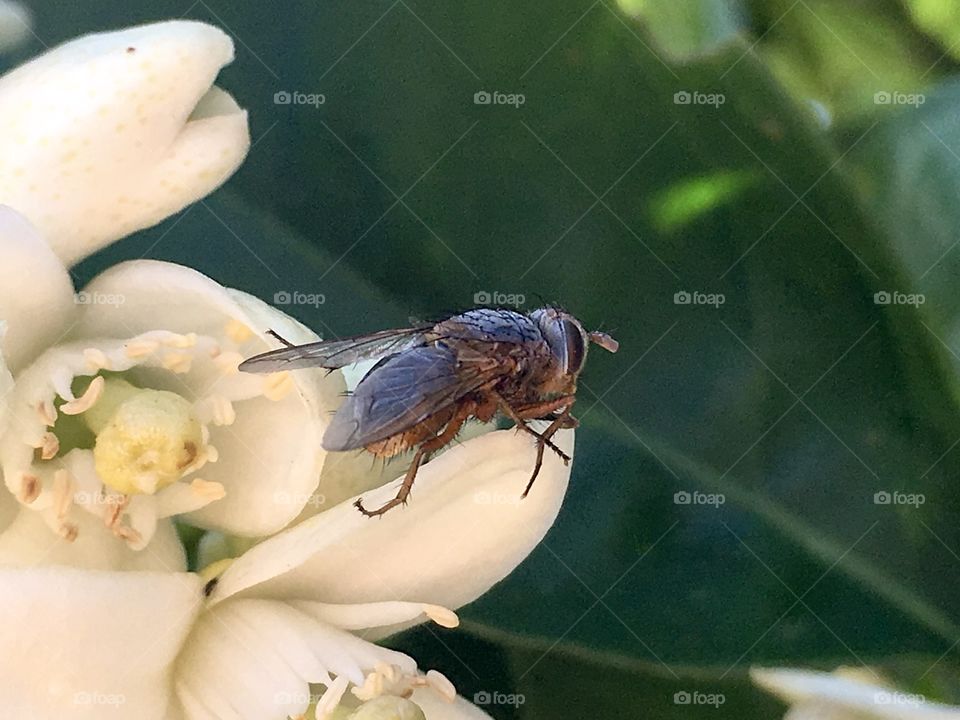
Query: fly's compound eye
[575, 346]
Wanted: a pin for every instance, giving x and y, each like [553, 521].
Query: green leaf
[685, 30]
[941, 19]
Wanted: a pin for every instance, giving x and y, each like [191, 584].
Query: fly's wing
[334, 354]
[403, 390]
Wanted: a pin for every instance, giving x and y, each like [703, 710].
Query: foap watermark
[94, 697]
[695, 297]
[892, 697]
[283, 497]
[884, 497]
[695, 697]
[285, 297]
[695, 97]
[99, 499]
[683, 497]
[894, 297]
[483, 97]
[296, 698]
[295, 97]
[485, 697]
[485, 497]
[497, 298]
[883, 97]
[85, 297]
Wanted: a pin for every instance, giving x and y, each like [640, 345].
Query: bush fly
[432, 378]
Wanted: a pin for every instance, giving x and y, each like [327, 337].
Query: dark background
[798, 398]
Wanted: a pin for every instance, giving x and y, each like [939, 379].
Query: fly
[433, 378]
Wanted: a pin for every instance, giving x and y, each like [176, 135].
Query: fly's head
[568, 342]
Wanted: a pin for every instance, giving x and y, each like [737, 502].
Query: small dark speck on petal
[210, 586]
[131, 50]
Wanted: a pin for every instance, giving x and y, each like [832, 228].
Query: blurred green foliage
[824, 182]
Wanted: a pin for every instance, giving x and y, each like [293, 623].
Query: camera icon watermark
[485, 697]
[483, 97]
[286, 97]
[85, 297]
[695, 297]
[683, 497]
[695, 97]
[893, 697]
[496, 298]
[894, 297]
[695, 697]
[884, 97]
[295, 297]
[884, 497]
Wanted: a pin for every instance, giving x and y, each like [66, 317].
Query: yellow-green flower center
[388, 707]
[145, 438]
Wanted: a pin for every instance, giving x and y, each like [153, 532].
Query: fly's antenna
[603, 340]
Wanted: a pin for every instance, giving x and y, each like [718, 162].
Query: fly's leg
[563, 420]
[405, 487]
[448, 433]
[535, 411]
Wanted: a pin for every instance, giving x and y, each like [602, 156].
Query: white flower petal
[255, 659]
[6, 384]
[36, 294]
[836, 695]
[464, 529]
[270, 457]
[362, 616]
[437, 708]
[348, 474]
[28, 541]
[91, 645]
[113, 132]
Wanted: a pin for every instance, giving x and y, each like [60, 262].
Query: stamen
[178, 362]
[331, 697]
[181, 341]
[277, 386]
[389, 679]
[85, 401]
[29, 488]
[444, 617]
[112, 518]
[47, 412]
[228, 362]
[439, 682]
[238, 332]
[216, 409]
[96, 359]
[62, 493]
[128, 534]
[140, 348]
[208, 490]
[68, 531]
[49, 446]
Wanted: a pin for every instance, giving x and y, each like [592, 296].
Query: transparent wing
[404, 389]
[334, 354]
